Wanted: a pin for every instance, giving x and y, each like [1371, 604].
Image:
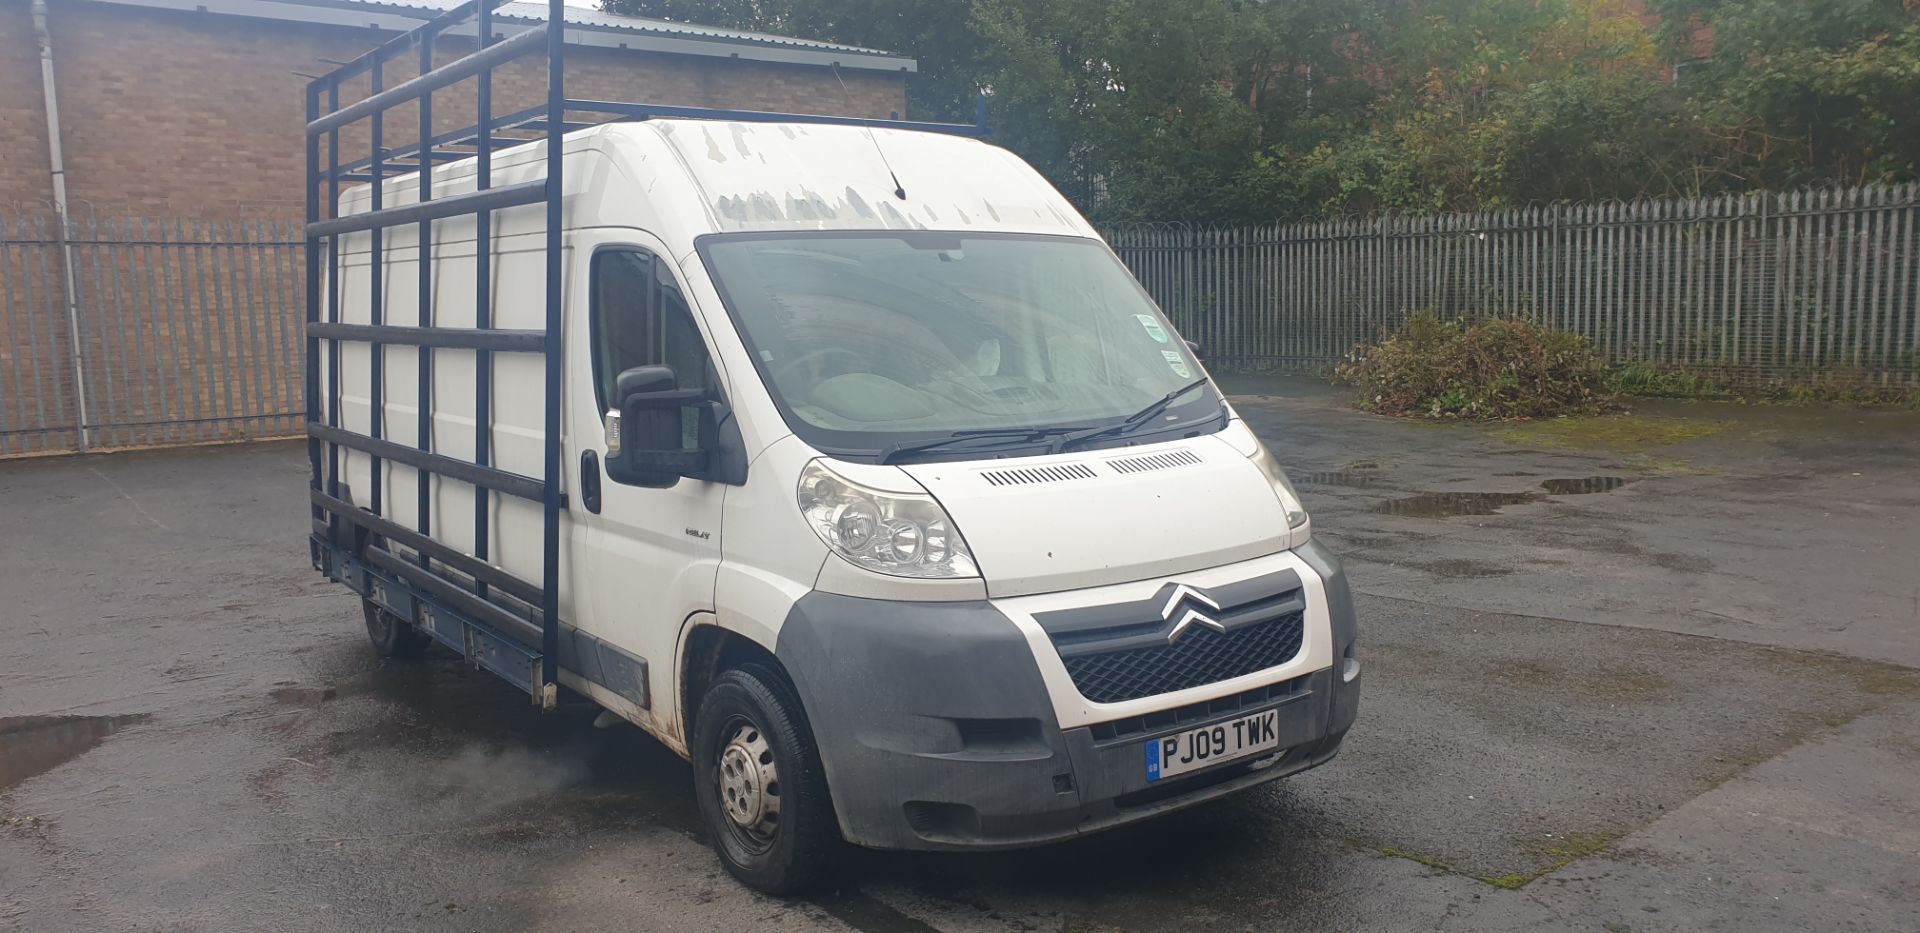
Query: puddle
[33, 745]
[1356, 473]
[1584, 486]
[1464, 569]
[1338, 478]
[1449, 504]
[304, 696]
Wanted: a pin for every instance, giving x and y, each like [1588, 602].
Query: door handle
[590, 480]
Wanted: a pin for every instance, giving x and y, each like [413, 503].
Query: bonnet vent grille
[1151, 462]
[1027, 476]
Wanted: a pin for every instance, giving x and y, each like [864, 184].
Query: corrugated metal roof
[601, 21]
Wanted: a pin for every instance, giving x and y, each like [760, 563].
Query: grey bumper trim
[937, 732]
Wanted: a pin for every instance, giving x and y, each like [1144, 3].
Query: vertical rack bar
[482, 287]
[423, 313]
[550, 563]
[377, 354]
[333, 301]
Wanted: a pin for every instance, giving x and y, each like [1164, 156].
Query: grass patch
[1427, 860]
[1843, 387]
[1572, 847]
[1609, 432]
[1561, 851]
[1644, 381]
[1613, 684]
[1651, 465]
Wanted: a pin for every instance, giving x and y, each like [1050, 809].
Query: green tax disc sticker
[1154, 330]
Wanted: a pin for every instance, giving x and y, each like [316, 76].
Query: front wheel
[760, 786]
[392, 637]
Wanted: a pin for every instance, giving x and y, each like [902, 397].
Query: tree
[1805, 92]
[1137, 108]
[1264, 110]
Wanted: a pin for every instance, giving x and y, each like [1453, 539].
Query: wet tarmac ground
[1657, 674]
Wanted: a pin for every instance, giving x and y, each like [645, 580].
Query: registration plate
[1211, 745]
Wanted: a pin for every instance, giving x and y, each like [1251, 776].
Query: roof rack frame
[364, 525]
[350, 539]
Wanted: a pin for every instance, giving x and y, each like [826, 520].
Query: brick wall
[23, 121]
[189, 317]
[166, 112]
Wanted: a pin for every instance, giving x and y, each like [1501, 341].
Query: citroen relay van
[857, 470]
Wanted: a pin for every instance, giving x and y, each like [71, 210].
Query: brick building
[196, 106]
[172, 314]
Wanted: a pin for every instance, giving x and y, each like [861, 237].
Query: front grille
[1200, 656]
[1181, 717]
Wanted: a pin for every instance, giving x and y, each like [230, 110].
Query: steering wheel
[811, 361]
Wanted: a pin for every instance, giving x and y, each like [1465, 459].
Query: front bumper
[937, 731]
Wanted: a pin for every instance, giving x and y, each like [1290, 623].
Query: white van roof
[798, 176]
[751, 176]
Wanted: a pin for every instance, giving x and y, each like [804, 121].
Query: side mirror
[655, 432]
[1194, 348]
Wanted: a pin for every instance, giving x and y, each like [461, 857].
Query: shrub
[1480, 369]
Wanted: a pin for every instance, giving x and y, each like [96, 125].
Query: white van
[889, 499]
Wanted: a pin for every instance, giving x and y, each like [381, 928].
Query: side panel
[518, 293]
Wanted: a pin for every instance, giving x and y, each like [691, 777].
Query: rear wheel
[391, 635]
[760, 786]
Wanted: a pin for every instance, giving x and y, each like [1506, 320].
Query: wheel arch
[708, 649]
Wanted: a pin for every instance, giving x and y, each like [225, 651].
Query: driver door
[649, 555]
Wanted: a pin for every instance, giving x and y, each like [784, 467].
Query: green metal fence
[1756, 288]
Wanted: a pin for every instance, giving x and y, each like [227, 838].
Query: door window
[639, 318]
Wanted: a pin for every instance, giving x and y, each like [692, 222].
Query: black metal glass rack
[462, 598]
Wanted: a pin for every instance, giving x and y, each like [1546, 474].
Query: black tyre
[392, 636]
[760, 786]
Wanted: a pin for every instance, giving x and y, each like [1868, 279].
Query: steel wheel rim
[747, 780]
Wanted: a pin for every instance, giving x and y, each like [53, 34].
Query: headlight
[1283, 487]
[900, 534]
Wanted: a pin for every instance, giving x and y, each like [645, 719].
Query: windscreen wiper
[1134, 420]
[1026, 435]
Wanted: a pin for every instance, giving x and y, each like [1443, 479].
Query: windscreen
[870, 339]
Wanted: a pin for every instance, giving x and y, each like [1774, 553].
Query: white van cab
[887, 496]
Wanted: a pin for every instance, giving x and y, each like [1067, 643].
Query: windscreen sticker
[1178, 365]
[1154, 330]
